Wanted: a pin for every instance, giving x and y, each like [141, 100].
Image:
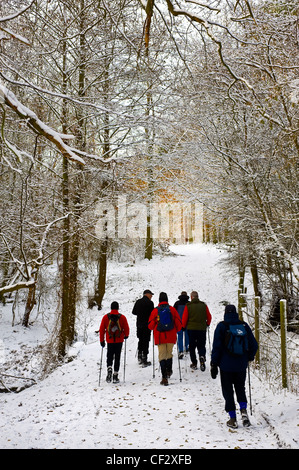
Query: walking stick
[209, 339]
[177, 346]
[125, 354]
[249, 384]
[153, 357]
[101, 366]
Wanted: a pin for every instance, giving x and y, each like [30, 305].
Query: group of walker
[184, 324]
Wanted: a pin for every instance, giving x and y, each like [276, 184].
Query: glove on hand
[103, 344]
[214, 371]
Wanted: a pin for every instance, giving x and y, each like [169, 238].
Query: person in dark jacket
[142, 309]
[182, 334]
[196, 319]
[232, 368]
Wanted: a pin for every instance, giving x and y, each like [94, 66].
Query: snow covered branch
[38, 126]
[17, 286]
[30, 273]
[17, 13]
[11, 17]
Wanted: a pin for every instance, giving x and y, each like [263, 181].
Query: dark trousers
[197, 340]
[113, 354]
[230, 382]
[144, 336]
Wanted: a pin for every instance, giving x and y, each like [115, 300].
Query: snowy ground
[69, 409]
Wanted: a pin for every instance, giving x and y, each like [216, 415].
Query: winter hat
[114, 306]
[163, 297]
[147, 291]
[183, 296]
[230, 309]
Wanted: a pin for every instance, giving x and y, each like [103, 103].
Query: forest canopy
[154, 101]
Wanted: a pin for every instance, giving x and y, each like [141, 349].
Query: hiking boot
[169, 367]
[232, 423]
[109, 375]
[144, 361]
[202, 363]
[140, 361]
[193, 366]
[245, 419]
[115, 378]
[164, 381]
[181, 355]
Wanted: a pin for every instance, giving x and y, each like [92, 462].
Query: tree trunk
[149, 138]
[65, 284]
[102, 271]
[255, 280]
[71, 240]
[30, 301]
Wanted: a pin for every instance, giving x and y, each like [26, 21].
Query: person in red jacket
[165, 322]
[116, 328]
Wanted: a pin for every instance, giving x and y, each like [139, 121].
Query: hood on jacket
[183, 297]
[231, 314]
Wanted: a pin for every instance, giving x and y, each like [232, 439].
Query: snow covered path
[70, 410]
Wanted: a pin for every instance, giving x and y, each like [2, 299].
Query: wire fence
[277, 359]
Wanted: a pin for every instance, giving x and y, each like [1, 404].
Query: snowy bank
[69, 410]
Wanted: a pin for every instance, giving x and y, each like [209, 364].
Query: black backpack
[114, 328]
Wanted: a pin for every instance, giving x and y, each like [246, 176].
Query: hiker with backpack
[196, 319]
[114, 327]
[183, 333]
[142, 309]
[234, 345]
[165, 322]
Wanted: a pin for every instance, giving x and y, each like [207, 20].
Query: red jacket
[165, 336]
[125, 330]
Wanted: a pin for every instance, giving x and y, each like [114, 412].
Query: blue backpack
[165, 319]
[236, 340]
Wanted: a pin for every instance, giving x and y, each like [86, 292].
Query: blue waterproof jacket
[220, 356]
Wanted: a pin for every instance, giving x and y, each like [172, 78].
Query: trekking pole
[209, 339]
[249, 384]
[125, 359]
[101, 366]
[153, 357]
[177, 346]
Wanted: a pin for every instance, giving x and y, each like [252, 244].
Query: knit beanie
[163, 297]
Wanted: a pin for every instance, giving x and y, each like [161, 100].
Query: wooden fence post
[283, 336]
[242, 302]
[257, 304]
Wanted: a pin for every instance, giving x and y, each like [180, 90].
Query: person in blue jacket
[182, 335]
[232, 367]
